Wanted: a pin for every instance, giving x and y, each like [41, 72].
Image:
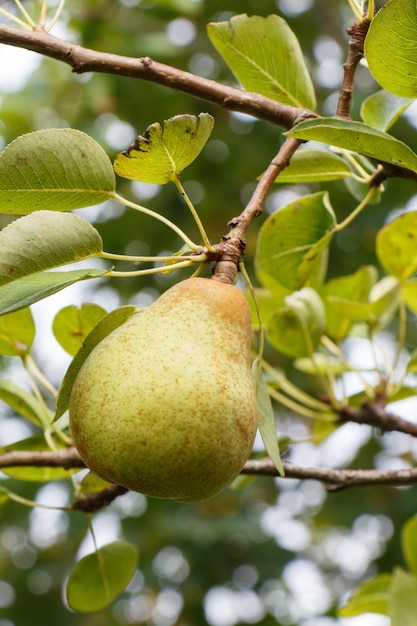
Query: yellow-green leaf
[72, 324]
[265, 56]
[162, 153]
[98, 578]
[390, 47]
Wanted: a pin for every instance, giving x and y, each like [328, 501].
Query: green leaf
[56, 169]
[36, 443]
[296, 330]
[91, 483]
[409, 294]
[371, 597]
[355, 287]
[265, 56]
[105, 326]
[17, 332]
[292, 242]
[378, 312]
[382, 109]
[266, 422]
[267, 301]
[98, 578]
[310, 165]
[23, 402]
[45, 240]
[72, 324]
[403, 599]
[396, 246]
[409, 543]
[390, 48]
[29, 289]
[161, 154]
[357, 137]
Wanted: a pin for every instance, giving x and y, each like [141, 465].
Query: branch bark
[234, 243]
[84, 60]
[357, 35]
[335, 479]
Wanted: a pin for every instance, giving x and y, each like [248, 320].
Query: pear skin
[165, 405]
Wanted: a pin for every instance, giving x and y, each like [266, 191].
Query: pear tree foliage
[303, 315]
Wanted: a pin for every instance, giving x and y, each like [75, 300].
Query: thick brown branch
[84, 60]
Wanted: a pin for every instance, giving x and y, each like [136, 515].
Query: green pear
[165, 404]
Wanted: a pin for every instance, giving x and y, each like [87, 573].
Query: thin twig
[356, 44]
[234, 242]
[336, 479]
[376, 415]
[96, 501]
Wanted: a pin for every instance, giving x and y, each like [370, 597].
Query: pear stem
[194, 213]
[158, 270]
[157, 216]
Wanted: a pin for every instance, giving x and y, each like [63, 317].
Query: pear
[165, 405]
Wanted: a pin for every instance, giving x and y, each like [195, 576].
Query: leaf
[29, 289]
[265, 56]
[267, 302]
[355, 287]
[378, 312]
[390, 47]
[72, 324]
[161, 154]
[296, 330]
[311, 165]
[382, 109]
[409, 543]
[409, 294]
[266, 422]
[98, 578]
[105, 326]
[57, 169]
[17, 332]
[23, 403]
[293, 240]
[36, 443]
[403, 599]
[396, 246]
[371, 597]
[91, 483]
[357, 137]
[45, 240]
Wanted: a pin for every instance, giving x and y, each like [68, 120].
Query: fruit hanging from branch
[166, 404]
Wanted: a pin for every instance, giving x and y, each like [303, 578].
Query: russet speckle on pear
[165, 404]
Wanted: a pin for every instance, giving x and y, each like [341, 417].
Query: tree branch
[234, 243]
[336, 479]
[356, 51]
[67, 458]
[85, 60]
[374, 414]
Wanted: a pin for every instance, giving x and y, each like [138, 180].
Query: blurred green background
[270, 552]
